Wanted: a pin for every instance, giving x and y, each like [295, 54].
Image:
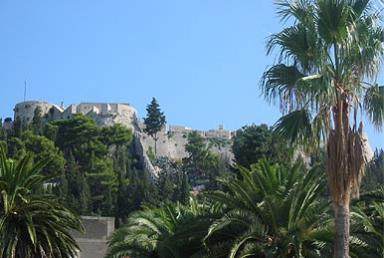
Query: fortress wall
[126, 115]
[171, 142]
[55, 113]
[140, 149]
[69, 111]
[25, 110]
[85, 108]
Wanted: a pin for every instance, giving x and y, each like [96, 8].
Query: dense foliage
[154, 121]
[32, 221]
[174, 230]
[93, 166]
[266, 205]
[374, 175]
[202, 165]
[254, 142]
[325, 78]
[272, 211]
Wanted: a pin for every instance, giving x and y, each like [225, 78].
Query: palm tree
[172, 231]
[367, 224]
[325, 79]
[32, 223]
[272, 211]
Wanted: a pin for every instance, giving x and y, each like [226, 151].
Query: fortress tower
[25, 110]
[103, 113]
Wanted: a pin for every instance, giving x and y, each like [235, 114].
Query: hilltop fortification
[171, 142]
[104, 114]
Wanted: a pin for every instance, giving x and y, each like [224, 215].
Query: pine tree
[154, 121]
[201, 164]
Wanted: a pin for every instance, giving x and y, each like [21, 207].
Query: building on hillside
[93, 242]
[26, 110]
[104, 114]
[171, 139]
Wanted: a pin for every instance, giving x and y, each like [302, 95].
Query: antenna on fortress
[25, 90]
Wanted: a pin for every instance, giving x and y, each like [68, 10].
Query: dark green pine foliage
[77, 191]
[118, 139]
[116, 135]
[79, 135]
[102, 181]
[15, 147]
[201, 164]
[154, 121]
[254, 142]
[43, 148]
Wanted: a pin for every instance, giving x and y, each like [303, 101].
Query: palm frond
[31, 223]
[295, 126]
[299, 9]
[374, 105]
[332, 20]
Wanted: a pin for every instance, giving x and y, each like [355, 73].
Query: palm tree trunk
[339, 176]
[342, 219]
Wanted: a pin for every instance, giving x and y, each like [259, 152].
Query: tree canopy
[32, 222]
[325, 77]
[154, 121]
[255, 142]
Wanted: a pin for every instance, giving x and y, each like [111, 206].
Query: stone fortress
[171, 143]
[104, 114]
[171, 139]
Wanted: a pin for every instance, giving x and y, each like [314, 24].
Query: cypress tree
[154, 121]
[37, 121]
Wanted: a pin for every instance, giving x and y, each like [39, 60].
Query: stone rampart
[171, 140]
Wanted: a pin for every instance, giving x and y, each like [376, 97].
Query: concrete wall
[93, 243]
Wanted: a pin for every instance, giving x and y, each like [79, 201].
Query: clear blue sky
[202, 59]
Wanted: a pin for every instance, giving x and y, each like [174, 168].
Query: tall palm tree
[325, 79]
[272, 211]
[32, 224]
[172, 231]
